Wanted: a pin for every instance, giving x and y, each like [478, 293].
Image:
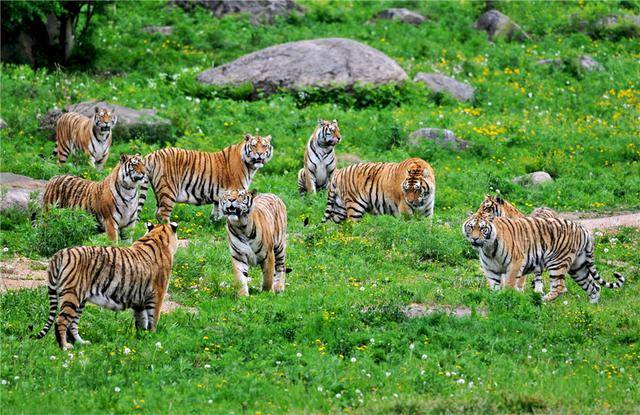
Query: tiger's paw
[67, 346]
[538, 287]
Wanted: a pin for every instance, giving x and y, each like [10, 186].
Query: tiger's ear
[96, 109]
[268, 138]
[247, 137]
[320, 122]
[174, 226]
[500, 200]
[123, 158]
[149, 226]
[335, 122]
[469, 213]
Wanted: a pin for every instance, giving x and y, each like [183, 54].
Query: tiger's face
[257, 150]
[132, 168]
[416, 188]
[104, 119]
[164, 232]
[479, 230]
[236, 204]
[328, 133]
[491, 206]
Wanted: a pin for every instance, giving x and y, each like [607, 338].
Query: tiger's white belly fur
[106, 302]
[321, 175]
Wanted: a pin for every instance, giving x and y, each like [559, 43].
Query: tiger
[116, 278]
[197, 177]
[112, 201]
[319, 157]
[92, 136]
[512, 247]
[381, 188]
[497, 206]
[257, 235]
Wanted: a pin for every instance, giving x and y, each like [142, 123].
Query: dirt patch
[415, 310]
[630, 220]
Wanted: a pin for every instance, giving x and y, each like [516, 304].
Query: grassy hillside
[337, 340]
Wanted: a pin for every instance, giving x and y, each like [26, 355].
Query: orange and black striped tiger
[92, 136]
[257, 235]
[198, 178]
[112, 277]
[511, 248]
[497, 206]
[319, 157]
[381, 188]
[113, 201]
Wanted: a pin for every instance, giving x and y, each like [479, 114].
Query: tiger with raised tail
[257, 235]
[92, 136]
[113, 201]
[319, 157]
[381, 188]
[116, 278]
[497, 206]
[198, 177]
[510, 248]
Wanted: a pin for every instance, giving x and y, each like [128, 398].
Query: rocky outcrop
[402, 15]
[132, 123]
[441, 137]
[585, 62]
[260, 10]
[17, 191]
[442, 83]
[309, 63]
[498, 25]
[533, 179]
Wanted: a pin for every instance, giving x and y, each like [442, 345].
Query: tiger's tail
[611, 285]
[52, 273]
[144, 186]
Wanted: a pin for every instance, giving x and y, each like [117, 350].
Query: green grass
[336, 340]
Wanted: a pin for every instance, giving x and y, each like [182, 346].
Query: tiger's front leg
[216, 211]
[514, 271]
[111, 228]
[140, 315]
[241, 275]
[494, 280]
[99, 164]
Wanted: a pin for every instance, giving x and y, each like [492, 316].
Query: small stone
[533, 179]
[442, 83]
[441, 137]
[497, 25]
[402, 15]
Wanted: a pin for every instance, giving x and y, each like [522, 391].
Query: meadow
[337, 340]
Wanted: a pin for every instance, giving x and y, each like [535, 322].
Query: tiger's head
[327, 133]
[236, 204]
[496, 206]
[416, 188]
[257, 151]
[104, 119]
[479, 230]
[163, 232]
[132, 169]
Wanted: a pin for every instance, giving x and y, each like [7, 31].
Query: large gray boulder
[585, 62]
[442, 83]
[17, 191]
[441, 137]
[144, 123]
[402, 15]
[308, 63]
[533, 179]
[497, 25]
[260, 10]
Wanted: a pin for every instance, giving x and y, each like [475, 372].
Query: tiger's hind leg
[68, 313]
[281, 270]
[268, 272]
[355, 211]
[302, 187]
[165, 207]
[582, 277]
[72, 332]
[142, 321]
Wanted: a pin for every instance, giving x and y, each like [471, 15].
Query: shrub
[62, 228]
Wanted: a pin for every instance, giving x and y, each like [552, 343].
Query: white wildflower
[116, 389]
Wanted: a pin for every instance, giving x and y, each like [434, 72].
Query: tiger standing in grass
[198, 177]
[510, 248]
[497, 206]
[381, 188]
[319, 157]
[113, 201]
[112, 277]
[92, 136]
[257, 235]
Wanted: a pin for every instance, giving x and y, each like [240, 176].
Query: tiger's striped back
[91, 136]
[112, 201]
[517, 246]
[319, 157]
[197, 177]
[381, 188]
[497, 206]
[112, 277]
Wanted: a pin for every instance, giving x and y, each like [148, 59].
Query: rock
[161, 30]
[442, 83]
[402, 15]
[613, 26]
[3, 124]
[555, 62]
[317, 63]
[346, 159]
[441, 137]
[132, 123]
[17, 191]
[497, 25]
[533, 179]
[589, 64]
[260, 10]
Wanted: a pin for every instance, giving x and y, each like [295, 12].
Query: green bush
[62, 228]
